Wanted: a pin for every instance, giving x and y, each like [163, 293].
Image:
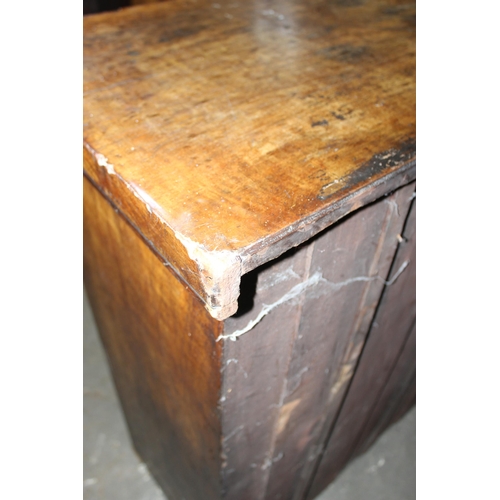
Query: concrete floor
[112, 470]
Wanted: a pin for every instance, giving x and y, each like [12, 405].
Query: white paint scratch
[102, 161]
[268, 462]
[316, 278]
[392, 203]
[235, 361]
[294, 292]
[233, 433]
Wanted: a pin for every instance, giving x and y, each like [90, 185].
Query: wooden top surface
[228, 132]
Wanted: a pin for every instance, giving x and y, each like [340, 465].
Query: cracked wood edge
[214, 275]
[220, 276]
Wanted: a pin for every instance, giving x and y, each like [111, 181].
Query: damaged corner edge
[219, 270]
[220, 273]
[101, 160]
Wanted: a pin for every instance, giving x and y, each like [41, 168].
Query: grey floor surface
[112, 470]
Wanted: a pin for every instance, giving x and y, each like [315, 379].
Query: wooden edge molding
[215, 276]
[346, 202]
[221, 276]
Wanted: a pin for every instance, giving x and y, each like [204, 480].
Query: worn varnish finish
[229, 132]
[397, 398]
[162, 349]
[362, 247]
[250, 419]
[396, 314]
[381, 378]
[217, 138]
[286, 378]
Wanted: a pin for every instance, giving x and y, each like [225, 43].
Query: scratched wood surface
[386, 369]
[285, 378]
[162, 350]
[396, 317]
[228, 132]
[398, 396]
[248, 419]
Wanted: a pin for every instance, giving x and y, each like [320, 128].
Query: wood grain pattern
[333, 331]
[218, 136]
[385, 371]
[397, 397]
[229, 132]
[249, 419]
[161, 346]
[285, 379]
[397, 311]
[254, 371]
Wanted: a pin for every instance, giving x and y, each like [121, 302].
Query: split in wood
[316, 278]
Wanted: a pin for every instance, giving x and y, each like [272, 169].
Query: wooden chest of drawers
[249, 234]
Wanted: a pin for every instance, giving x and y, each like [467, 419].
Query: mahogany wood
[269, 399]
[162, 349]
[398, 396]
[305, 110]
[379, 381]
[249, 173]
[286, 378]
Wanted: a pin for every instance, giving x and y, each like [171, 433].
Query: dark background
[93, 6]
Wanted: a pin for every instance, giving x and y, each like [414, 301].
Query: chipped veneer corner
[101, 160]
[220, 270]
[220, 273]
